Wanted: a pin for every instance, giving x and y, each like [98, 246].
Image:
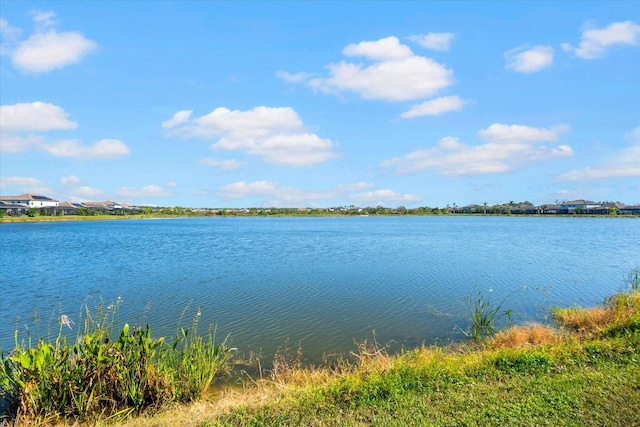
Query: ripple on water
[322, 282]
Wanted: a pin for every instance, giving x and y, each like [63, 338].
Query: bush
[104, 375]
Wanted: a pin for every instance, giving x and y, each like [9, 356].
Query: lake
[319, 282]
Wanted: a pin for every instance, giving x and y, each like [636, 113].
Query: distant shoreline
[72, 218]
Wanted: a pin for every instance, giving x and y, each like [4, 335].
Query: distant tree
[32, 212]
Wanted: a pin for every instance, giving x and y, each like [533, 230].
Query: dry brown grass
[584, 320]
[524, 336]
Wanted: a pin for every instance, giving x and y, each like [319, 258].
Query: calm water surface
[320, 282]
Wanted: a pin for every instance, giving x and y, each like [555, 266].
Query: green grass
[567, 377]
[585, 371]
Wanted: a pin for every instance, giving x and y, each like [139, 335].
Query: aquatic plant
[106, 374]
[483, 315]
[634, 279]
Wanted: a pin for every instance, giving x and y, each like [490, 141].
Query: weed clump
[106, 375]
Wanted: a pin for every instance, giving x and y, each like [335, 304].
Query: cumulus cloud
[356, 186]
[146, 192]
[623, 163]
[22, 125]
[394, 74]
[278, 135]
[227, 165]
[595, 42]
[386, 49]
[9, 35]
[273, 194]
[46, 49]
[435, 107]
[293, 77]
[33, 117]
[506, 148]
[44, 19]
[86, 193]
[385, 198]
[105, 149]
[70, 180]
[24, 184]
[11, 143]
[502, 133]
[524, 60]
[434, 41]
[178, 118]
[20, 181]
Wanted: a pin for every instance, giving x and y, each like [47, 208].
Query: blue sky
[241, 104]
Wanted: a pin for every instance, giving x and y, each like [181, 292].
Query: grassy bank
[584, 371]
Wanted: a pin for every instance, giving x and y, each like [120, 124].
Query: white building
[30, 201]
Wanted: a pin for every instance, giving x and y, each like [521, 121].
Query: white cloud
[434, 41]
[10, 143]
[275, 134]
[227, 165]
[18, 119]
[502, 133]
[146, 192]
[273, 194]
[20, 181]
[410, 78]
[43, 19]
[624, 163]
[385, 198]
[396, 74]
[386, 49]
[46, 49]
[595, 42]
[86, 193]
[293, 77]
[357, 186]
[178, 118]
[242, 189]
[8, 35]
[532, 60]
[70, 180]
[24, 184]
[435, 107]
[33, 117]
[104, 149]
[507, 147]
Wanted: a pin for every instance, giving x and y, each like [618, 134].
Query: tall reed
[483, 315]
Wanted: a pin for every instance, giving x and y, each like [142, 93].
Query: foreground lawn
[585, 372]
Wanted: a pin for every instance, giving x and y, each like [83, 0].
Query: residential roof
[27, 197]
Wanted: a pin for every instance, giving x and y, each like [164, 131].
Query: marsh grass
[107, 372]
[621, 308]
[483, 315]
[633, 280]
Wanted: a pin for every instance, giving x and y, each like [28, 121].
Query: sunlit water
[320, 282]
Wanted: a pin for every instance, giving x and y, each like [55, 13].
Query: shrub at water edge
[104, 375]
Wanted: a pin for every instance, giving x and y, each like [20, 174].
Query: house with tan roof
[30, 201]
